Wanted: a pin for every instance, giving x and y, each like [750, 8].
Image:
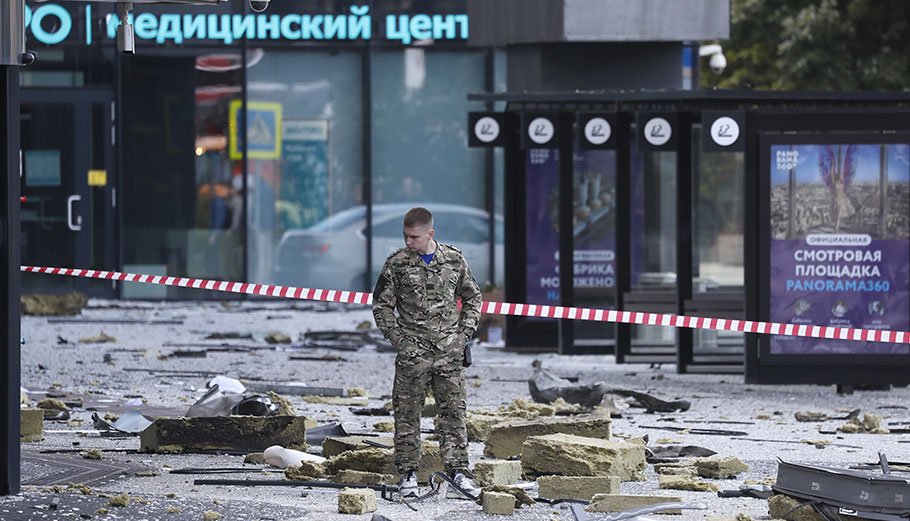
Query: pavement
[135, 368]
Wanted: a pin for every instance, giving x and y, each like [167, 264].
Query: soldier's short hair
[418, 216]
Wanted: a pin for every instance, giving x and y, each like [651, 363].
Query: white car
[331, 254]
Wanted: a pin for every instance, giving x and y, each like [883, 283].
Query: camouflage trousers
[422, 365]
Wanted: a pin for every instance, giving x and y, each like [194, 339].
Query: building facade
[284, 147]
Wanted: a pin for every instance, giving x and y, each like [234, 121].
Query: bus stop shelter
[788, 207]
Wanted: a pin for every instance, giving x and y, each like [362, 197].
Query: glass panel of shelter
[717, 233]
[653, 246]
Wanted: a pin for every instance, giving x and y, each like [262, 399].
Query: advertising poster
[593, 219]
[304, 173]
[840, 243]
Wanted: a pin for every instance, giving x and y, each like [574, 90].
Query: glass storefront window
[420, 157]
[305, 169]
[181, 203]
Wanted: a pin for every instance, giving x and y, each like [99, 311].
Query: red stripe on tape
[504, 308]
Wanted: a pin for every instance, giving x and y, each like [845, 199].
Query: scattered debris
[356, 501]
[582, 488]
[570, 455]
[871, 424]
[100, 339]
[92, 454]
[277, 338]
[372, 411]
[622, 502]
[521, 496]
[725, 467]
[384, 426]
[830, 490]
[293, 389]
[132, 422]
[497, 503]
[31, 425]
[121, 500]
[480, 425]
[682, 482]
[545, 387]
[305, 471]
[813, 416]
[359, 477]
[254, 458]
[357, 391]
[278, 456]
[782, 506]
[756, 491]
[505, 439]
[211, 515]
[336, 400]
[497, 472]
[252, 433]
[678, 451]
[47, 305]
[229, 336]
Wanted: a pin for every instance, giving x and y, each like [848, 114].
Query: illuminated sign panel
[52, 24]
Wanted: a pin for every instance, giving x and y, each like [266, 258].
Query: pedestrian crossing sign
[263, 131]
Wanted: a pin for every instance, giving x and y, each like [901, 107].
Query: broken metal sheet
[294, 389]
[371, 411]
[653, 509]
[256, 406]
[545, 387]
[578, 511]
[226, 384]
[679, 451]
[317, 435]
[756, 491]
[689, 430]
[214, 403]
[132, 422]
[878, 493]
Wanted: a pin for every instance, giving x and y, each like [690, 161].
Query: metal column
[9, 235]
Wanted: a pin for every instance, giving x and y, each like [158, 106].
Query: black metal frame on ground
[761, 112]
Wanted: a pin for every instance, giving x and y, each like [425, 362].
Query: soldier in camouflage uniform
[423, 281]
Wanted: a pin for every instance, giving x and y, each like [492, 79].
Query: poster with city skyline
[840, 242]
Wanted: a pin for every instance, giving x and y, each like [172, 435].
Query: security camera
[28, 57]
[717, 63]
[259, 5]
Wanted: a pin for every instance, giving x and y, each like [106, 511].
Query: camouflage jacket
[425, 296]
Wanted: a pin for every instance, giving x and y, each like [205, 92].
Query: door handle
[69, 213]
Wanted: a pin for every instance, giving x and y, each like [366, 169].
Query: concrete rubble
[582, 488]
[498, 503]
[252, 433]
[570, 455]
[356, 501]
[497, 472]
[505, 440]
[623, 502]
[50, 305]
[571, 451]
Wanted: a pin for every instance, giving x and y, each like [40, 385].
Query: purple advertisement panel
[840, 243]
[593, 219]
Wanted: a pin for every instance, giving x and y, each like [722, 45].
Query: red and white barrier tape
[506, 308]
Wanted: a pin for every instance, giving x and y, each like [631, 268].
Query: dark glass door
[68, 181]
